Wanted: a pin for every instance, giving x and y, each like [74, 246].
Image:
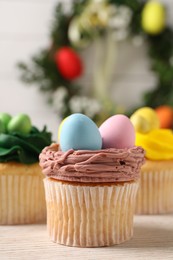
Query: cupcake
[21, 181]
[91, 182]
[155, 195]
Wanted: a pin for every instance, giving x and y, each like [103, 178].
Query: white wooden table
[153, 239]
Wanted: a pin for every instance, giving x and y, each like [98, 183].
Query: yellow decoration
[153, 17]
[158, 144]
[145, 119]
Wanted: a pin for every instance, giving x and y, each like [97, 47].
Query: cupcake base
[86, 215]
[155, 194]
[21, 194]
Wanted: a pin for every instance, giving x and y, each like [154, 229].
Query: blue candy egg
[79, 132]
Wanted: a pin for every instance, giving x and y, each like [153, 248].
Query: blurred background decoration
[102, 25]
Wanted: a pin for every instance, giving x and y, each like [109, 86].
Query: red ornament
[68, 63]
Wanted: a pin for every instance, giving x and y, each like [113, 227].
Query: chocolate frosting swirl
[99, 166]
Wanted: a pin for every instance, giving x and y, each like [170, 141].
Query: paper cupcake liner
[21, 199]
[90, 216]
[155, 194]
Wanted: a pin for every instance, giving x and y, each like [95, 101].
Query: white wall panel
[19, 17]
[17, 51]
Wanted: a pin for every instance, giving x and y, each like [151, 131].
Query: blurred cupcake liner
[155, 195]
[86, 215]
[21, 194]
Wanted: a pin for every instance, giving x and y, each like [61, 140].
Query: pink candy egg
[117, 132]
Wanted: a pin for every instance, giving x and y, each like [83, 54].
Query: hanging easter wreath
[56, 69]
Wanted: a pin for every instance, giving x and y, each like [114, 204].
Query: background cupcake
[21, 182]
[155, 195]
[91, 192]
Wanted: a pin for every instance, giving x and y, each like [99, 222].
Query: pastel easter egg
[145, 119]
[20, 123]
[153, 17]
[140, 123]
[2, 127]
[79, 132]
[165, 115]
[5, 118]
[117, 132]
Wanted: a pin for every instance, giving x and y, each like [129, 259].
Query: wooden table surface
[153, 239]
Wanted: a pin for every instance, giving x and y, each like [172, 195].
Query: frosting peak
[158, 144]
[106, 165]
[23, 148]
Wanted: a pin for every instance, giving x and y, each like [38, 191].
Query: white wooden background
[24, 29]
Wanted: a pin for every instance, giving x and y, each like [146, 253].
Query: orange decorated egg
[165, 114]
